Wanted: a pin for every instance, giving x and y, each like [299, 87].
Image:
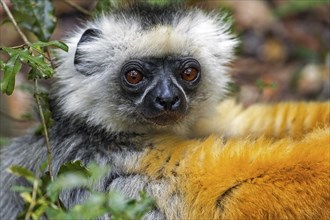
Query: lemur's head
[146, 69]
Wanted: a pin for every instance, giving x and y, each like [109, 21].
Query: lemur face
[161, 88]
[137, 71]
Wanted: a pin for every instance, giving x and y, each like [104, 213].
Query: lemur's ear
[83, 53]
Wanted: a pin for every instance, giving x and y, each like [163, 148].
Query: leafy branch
[33, 55]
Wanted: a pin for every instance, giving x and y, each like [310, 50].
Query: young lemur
[139, 88]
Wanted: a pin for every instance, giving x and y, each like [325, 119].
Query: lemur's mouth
[164, 119]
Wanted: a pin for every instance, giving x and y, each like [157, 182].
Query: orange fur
[248, 178]
[242, 179]
[279, 120]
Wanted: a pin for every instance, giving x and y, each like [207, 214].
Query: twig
[36, 88]
[44, 125]
[48, 58]
[16, 47]
[78, 8]
[10, 15]
[33, 200]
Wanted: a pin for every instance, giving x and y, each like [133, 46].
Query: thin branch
[33, 202]
[43, 121]
[16, 47]
[11, 17]
[78, 8]
[36, 94]
[49, 58]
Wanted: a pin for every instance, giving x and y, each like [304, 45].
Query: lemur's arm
[271, 120]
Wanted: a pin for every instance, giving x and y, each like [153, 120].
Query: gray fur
[95, 122]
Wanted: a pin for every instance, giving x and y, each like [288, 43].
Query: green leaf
[40, 67]
[26, 197]
[35, 74]
[57, 44]
[41, 17]
[11, 68]
[74, 166]
[22, 172]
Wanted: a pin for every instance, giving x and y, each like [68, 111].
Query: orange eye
[133, 77]
[189, 74]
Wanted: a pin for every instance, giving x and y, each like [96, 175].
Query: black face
[159, 87]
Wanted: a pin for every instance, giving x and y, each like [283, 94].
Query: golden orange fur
[284, 174]
[278, 120]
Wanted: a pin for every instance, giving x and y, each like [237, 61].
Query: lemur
[140, 89]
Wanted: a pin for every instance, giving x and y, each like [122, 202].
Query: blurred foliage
[105, 6]
[280, 41]
[36, 16]
[296, 6]
[42, 198]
